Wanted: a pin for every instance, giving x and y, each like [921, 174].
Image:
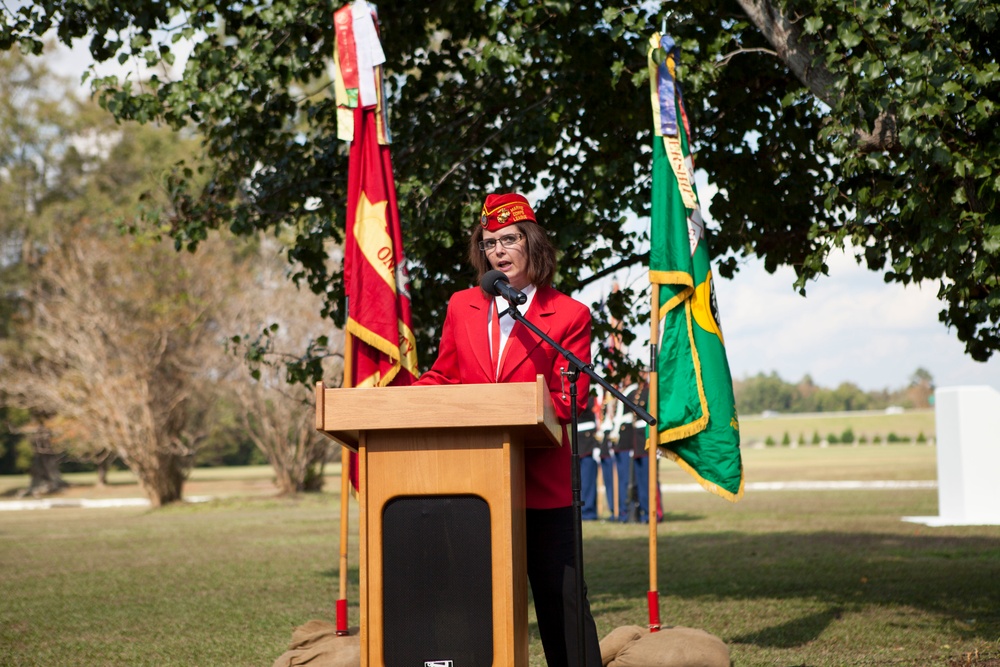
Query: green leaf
[812, 25]
[849, 34]
[874, 68]
[950, 87]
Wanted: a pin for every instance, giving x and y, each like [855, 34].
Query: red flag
[375, 266]
[375, 277]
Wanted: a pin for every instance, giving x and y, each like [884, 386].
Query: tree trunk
[284, 479]
[102, 474]
[787, 39]
[45, 475]
[103, 466]
[163, 483]
[314, 476]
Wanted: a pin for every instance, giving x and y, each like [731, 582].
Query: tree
[277, 415]
[805, 391]
[921, 388]
[848, 396]
[823, 123]
[278, 419]
[106, 339]
[47, 148]
[87, 348]
[46, 477]
[764, 392]
[118, 346]
[908, 94]
[114, 344]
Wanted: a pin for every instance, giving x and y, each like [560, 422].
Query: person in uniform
[633, 464]
[589, 451]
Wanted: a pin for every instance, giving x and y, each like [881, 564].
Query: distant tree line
[846, 437]
[762, 393]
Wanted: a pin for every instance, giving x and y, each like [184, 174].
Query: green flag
[696, 413]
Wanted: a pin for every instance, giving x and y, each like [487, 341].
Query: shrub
[847, 437]
[832, 439]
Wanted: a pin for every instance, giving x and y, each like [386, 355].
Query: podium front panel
[454, 476]
[437, 594]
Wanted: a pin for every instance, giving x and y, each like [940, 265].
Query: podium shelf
[523, 407]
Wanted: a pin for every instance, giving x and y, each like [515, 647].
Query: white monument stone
[968, 457]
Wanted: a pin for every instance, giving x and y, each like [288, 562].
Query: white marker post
[968, 456]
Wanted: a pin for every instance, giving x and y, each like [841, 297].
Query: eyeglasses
[507, 240]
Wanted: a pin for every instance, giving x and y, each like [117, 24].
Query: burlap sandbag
[316, 644]
[618, 639]
[672, 647]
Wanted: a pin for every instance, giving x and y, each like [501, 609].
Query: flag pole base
[342, 630]
[653, 600]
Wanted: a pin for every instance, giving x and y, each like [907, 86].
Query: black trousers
[552, 576]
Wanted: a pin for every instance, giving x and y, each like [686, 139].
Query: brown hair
[540, 251]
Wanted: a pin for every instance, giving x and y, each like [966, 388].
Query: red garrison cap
[502, 210]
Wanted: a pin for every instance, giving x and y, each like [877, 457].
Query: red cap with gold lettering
[502, 210]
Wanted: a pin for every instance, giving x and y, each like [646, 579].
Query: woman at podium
[479, 346]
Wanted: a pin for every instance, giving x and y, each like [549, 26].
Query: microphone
[495, 283]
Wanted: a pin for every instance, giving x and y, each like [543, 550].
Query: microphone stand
[576, 366]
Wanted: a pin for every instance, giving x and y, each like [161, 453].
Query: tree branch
[623, 263]
[729, 56]
[794, 50]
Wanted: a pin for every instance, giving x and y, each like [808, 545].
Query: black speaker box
[437, 591]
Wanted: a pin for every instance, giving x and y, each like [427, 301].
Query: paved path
[814, 486]
[86, 503]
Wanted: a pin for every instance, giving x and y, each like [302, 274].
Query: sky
[851, 326]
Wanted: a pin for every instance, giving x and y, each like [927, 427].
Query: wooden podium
[442, 536]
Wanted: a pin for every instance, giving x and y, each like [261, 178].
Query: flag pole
[379, 352]
[345, 496]
[653, 595]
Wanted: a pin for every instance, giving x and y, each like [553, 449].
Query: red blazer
[464, 358]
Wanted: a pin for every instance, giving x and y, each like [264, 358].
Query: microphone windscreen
[490, 278]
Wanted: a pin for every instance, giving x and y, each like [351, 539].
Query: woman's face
[511, 259]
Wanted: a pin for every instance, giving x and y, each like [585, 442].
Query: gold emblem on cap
[502, 216]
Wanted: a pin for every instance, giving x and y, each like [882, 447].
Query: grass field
[869, 425]
[817, 579]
